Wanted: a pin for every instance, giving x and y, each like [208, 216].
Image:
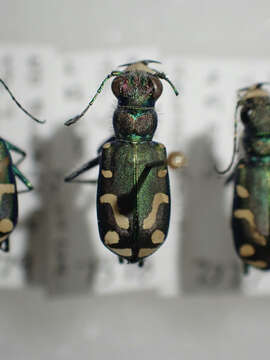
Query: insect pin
[9, 171]
[251, 204]
[133, 194]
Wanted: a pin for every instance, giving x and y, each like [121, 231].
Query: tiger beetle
[251, 204]
[133, 194]
[8, 188]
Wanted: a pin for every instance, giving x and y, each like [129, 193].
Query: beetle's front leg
[4, 245]
[89, 165]
[16, 149]
[175, 160]
[23, 179]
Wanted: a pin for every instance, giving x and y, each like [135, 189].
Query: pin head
[176, 160]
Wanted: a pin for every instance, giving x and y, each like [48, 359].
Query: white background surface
[142, 325]
[218, 28]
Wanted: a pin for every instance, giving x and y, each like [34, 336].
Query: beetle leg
[141, 263]
[89, 165]
[14, 148]
[233, 173]
[146, 172]
[126, 201]
[174, 160]
[245, 269]
[4, 245]
[121, 260]
[23, 179]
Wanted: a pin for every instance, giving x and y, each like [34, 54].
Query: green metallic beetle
[8, 189]
[133, 195]
[251, 205]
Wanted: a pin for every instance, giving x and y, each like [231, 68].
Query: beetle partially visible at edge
[251, 204]
[9, 171]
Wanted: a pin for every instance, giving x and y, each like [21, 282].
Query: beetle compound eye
[158, 87]
[123, 86]
[246, 115]
[116, 86]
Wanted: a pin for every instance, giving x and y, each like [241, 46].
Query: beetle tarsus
[121, 260]
[4, 246]
[141, 263]
[245, 269]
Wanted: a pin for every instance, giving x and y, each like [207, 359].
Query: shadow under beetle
[133, 195]
[251, 204]
[8, 189]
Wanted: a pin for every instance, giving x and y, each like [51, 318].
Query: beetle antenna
[235, 150]
[19, 105]
[163, 76]
[77, 117]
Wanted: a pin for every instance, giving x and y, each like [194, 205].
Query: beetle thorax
[255, 115]
[134, 125]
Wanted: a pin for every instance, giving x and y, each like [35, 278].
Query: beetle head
[254, 103]
[137, 85]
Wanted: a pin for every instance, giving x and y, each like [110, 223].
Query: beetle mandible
[133, 195]
[251, 204]
[9, 171]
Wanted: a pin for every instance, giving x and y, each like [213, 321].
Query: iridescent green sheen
[127, 162]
